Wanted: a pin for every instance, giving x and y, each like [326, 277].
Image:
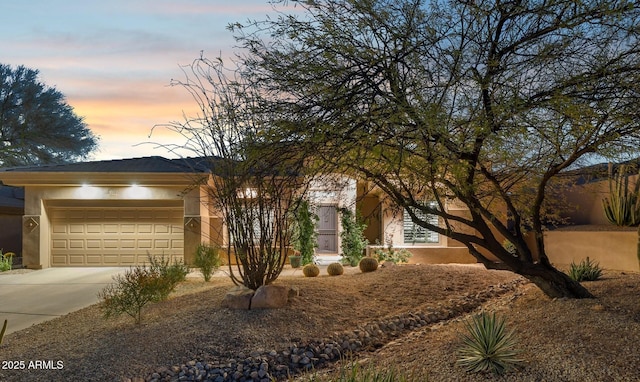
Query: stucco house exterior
[117, 212]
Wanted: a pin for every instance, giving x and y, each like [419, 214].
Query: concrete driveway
[40, 295]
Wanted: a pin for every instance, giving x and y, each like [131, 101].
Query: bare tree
[254, 190]
[482, 102]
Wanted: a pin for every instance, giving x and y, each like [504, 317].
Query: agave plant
[488, 346]
[585, 271]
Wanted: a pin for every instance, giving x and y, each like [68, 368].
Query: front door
[327, 229]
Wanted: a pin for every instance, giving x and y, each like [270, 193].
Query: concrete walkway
[40, 295]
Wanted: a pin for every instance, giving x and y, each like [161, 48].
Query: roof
[154, 164]
[153, 170]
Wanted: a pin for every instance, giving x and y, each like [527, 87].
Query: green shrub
[488, 346]
[131, 291]
[6, 261]
[391, 254]
[585, 271]
[305, 234]
[207, 260]
[172, 273]
[352, 238]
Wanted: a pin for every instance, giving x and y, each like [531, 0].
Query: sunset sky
[114, 60]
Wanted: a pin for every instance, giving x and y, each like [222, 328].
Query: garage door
[114, 236]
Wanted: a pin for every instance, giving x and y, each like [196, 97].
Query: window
[415, 234]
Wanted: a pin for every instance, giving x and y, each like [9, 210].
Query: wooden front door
[327, 229]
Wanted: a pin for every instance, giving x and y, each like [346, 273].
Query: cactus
[311, 270]
[335, 269]
[368, 264]
[622, 207]
[4, 329]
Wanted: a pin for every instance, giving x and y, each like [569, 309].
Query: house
[117, 212]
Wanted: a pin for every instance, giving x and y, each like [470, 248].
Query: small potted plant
[295, 260]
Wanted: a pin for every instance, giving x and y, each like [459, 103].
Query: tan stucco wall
[616, 250]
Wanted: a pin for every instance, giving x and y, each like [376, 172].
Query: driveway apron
[34, 297]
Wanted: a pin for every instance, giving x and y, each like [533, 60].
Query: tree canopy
[37, 126]
[484, 103]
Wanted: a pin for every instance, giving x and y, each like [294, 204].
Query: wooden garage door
[114, 236]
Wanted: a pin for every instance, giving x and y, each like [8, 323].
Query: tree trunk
[553, 282]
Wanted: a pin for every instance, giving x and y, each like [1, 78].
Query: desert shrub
[352, 238]
[389, 253]
[335, 269]
[368, 264]
[585, 271]
[311, 270]
[172, 272]
[488, 346]
[207, 260]
[131, 291]
[6, 261]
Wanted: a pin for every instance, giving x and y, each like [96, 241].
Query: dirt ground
[560, 340]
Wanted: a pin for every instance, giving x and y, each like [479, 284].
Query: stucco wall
[616, 250]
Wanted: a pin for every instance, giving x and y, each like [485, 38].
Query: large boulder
[238, 297]
[270, 297]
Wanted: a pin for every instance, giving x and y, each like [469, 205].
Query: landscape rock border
[298, 358]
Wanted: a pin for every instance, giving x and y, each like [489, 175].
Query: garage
[98, 233]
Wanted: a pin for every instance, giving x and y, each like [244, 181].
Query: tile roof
[154, 164]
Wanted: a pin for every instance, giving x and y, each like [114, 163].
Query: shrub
[6, 261]
[207, 260]
[311, 270]
[305, 234]
[131, 291]
[488, 346]
[368, 264]
[172, 273]
[335, 269]
[391, 254]
[585, 271]
[352, 238]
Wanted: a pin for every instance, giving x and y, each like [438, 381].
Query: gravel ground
[561, 340]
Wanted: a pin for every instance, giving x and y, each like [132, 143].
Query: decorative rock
[270, 297]
[238, 297]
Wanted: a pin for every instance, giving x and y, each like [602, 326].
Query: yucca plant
[585, 271]
[622, 207]
[488, 346]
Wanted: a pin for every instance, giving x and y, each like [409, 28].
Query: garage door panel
[114, 237]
